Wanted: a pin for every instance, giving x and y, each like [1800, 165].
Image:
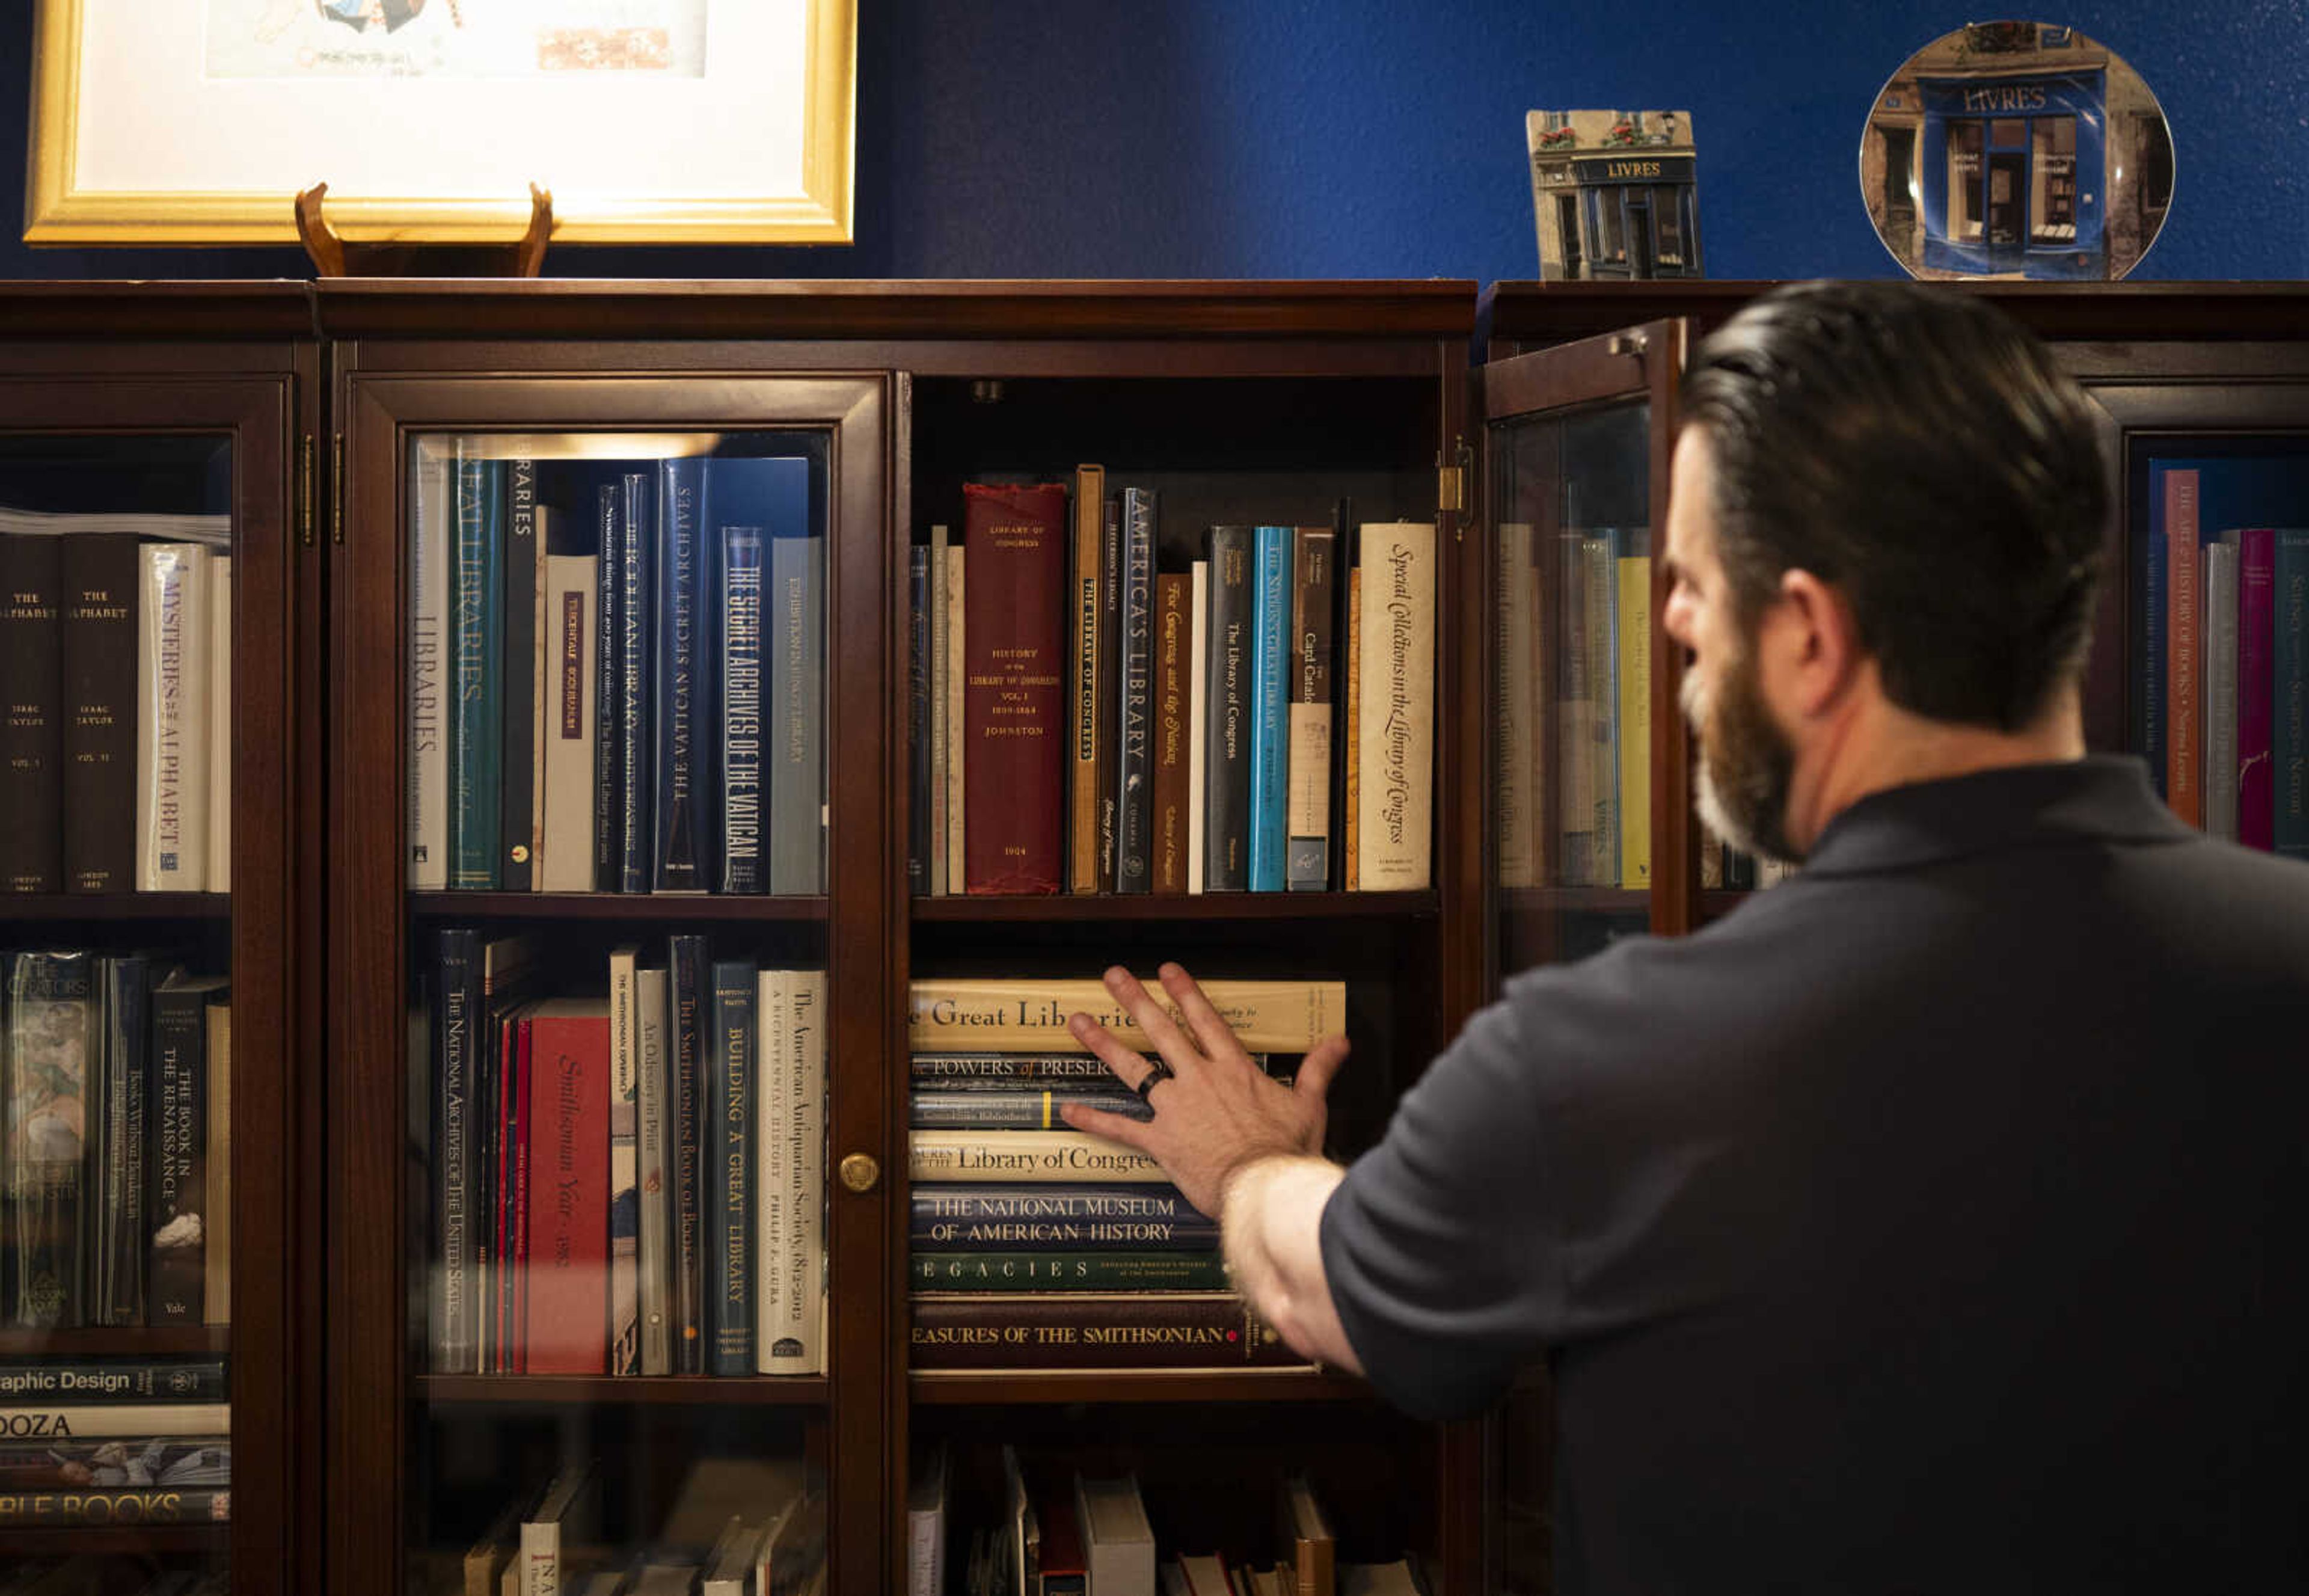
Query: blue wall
[1280, 138]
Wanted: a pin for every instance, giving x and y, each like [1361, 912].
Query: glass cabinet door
[601, 1090]
[1589, 831]
[143, 981]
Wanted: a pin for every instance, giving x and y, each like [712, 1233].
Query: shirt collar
[2101, 797]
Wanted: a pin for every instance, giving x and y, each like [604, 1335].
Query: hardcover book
[1270, 707]
[31, 712]
[960, 1014]
[53, 1035]
[1199, 696]
[1516, 779]
[1085, 679]
[773, 495]
[1314, 604]
[1135, 764]
[2289, 714]
[1002, 1106]
[609, 719]
[117, 1132]
[518, 766]
[430, 525]
[1632, 633]
[1014, 646]
[1092, 1331]
[624, 1161]
[172, 732]
[918, 720]
[655, 1178]
[635, 844]
[101, 573]
[745, 800]
[1024, 1155]
[220, 723]
[1397, 709]
[572, 606]
[1056, 1270]
[178, 1267]
[2256, 680]
[1226, 758]
[1103, 1215]
[567, 1131]
[1174, 632]
[792, 1165]
[689, 992]
[686, 785]
[731, 1163]
[477, 671]
[2184, 647]
[957, 734]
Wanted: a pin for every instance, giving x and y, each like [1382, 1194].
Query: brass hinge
[304, 489]
[337, 491]
[1450, 489]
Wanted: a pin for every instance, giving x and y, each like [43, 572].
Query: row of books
[116, 1167]
[1084, 720]
[616, 674]
[116, 670]
[1574, 707]
[1035, 1247]
[678, 1125]
[115, 1441]
[2223, 686]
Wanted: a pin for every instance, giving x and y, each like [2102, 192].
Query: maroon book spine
[1095, 1329]
[99, 699]
[1013, 690]
[31, 728]
[1173, 629]
[567, 1130]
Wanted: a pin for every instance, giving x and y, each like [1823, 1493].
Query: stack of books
[680, 1125]
[1259, 719]
[115, 1441]
[1037, 1246]
[118, 1164]
[116, 664]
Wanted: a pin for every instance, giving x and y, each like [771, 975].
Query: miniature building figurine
[1615, 193]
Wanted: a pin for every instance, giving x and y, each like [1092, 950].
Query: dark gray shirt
[1936, 1221]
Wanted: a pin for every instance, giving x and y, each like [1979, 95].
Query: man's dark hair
[1918, 450]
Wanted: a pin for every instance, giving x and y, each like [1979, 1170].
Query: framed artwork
[650, 121]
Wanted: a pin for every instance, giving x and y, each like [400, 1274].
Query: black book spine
[730, 1114]
[455, 1035]
[677, 623]
[1135, 773]
[117, 1151]
[1110, 694]
[609, 751]
[178, 1277]
[99, 637]
[636, 553]
[32, 714]
[687, 980]
[918, 719]
[517, 763]
[1346, 556]
[97, 1382]
[1226, 753]
[737, 641]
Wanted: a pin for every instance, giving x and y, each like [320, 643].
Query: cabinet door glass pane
[617, 869]
[116, 668]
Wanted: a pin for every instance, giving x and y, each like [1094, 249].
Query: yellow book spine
[996, 1016]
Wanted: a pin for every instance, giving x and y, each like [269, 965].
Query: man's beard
[1747, 767]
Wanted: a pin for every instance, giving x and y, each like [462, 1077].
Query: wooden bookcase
[1407, 396]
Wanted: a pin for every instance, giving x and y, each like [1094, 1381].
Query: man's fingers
[1214, 1034]
[1319, 1066]
[1113, 1127]
[1126, 1061]
[1162, 1032]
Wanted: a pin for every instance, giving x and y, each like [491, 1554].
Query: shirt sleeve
[1439, 1246]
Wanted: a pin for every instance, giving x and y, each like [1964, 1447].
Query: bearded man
[1936, 1220]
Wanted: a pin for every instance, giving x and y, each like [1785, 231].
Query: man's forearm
[1271, 1226]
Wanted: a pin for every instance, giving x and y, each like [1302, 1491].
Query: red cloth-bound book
[567, 1130]
[1014, 694]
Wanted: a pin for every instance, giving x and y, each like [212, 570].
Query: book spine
[957, 723]
[54, 1036]
[516, 1092]
[120, 1140]
[220, 723]
[1135, 768]
[2289, 694]
[143, 1420]
[609, 721]
[635, 846]
[572, 602]
[172, 744]
[1108, 710]
[1270, 708]
[1226, 836]
[1093, 1330]
[936, 886]
[566, 1127]
[1085, 658]
[1601, 613]
[477, 667]
[1001, 1217]
[453, 1314]
[430, 521]
[2149, 712]
[932, 1273]
[1351, 758]
[1029, 1015]
[1024, 1155]
[688, 992]
[2218, 724]
[1013, 644]
[517, 772]
[219, 1290]
[2184, 647]
[2256, 682]
[654, 1238]
[1514, 619]
[1632, 632]
[1314, 600]
[798, 711]
[31, 712]
[178, 1268]
[624, 1161]
[1005, 1068]
[1198, 718]
[80, 1509]
[1398, 719]
[744, 870]
[101, 573]
[1016, 1109]
[1575, 719]
[676, 623]
[113, 1380]
[1174, 634]
[729, 1156]
[793, 1175]
[918, 720]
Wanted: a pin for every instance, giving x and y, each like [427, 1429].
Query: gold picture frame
[150, 125]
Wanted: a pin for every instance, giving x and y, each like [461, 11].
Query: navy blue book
[688, 996]
[518, 773]
[745, 862]
[637, 555]
[968, 1217]
[1270, 708]
[477, 672]
[729, 1148]
[1226, 751]
[681, 861]
[1135, 767]
[609, 721]
[918, 719]
[775, 496]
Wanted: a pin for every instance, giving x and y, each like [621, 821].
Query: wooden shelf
[962, 1386]
[763, 1390]
[116, 906]
[1575, 900]
[616, 906]
[1087, 908]
[187, 1341]
[65, 1540]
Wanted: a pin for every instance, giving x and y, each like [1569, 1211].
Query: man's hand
[1217, 1114]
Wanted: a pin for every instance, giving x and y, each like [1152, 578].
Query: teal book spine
[2290, 728]
[1270, 708]
[729, 1163]
[476, 713]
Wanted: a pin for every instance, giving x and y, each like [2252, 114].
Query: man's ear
[1813, 643]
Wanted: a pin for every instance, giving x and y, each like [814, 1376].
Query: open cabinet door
[1588, 811]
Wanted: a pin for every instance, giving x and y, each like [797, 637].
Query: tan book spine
[566, 723]
[220, 723]
[1634, 633]
[1024, 1155]
[1086, 652]
[1398, 646]
[172, 712]
[996, 1015]
[1351, 806]
[216, 1300]
[1517, 815]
